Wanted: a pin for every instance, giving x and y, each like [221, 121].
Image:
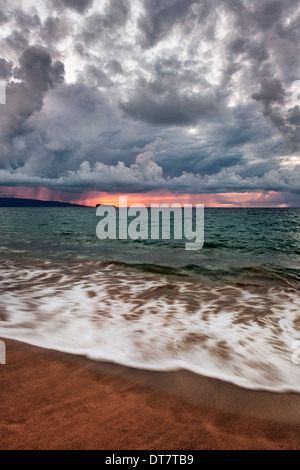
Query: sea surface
[230, 310]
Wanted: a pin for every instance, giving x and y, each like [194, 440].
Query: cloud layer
[148, 95]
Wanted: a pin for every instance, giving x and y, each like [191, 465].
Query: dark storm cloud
[77, 5]
[271, 91]
[265, 38]
[180, 95]
[37, 70]
[99, 25]
[37, 74]
[251, 49]
[115, 67]
[3, 17]
[271, 14]
[268, 13]
[160, 16]
[146, 175]
[153, 105]
[5, 69]
[272, 96]
[294, 116]
[54, 29]
[17, 41]
[25, 21]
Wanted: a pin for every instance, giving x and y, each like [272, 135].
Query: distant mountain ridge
[19, 202]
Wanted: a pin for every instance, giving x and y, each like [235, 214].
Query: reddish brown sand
[51, 400]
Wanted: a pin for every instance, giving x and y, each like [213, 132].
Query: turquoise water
[230, 310]
[241, 245]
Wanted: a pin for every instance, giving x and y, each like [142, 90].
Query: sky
[161, 100]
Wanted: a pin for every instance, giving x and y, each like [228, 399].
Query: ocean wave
[155, 320]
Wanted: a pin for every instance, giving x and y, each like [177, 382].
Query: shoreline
[53, 400]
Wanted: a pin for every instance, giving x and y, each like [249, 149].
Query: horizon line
[149, 206]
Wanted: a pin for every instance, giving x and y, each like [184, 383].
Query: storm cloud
[78, 5]
[5, 69]
[288, 123]
[35, 75]
[147, 95]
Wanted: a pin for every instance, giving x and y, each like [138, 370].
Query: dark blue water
[241, 245]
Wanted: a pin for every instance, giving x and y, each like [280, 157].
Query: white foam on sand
[107, 312]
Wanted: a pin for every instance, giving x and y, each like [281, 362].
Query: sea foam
[105, 311]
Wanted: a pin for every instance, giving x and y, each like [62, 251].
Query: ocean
[230, 310]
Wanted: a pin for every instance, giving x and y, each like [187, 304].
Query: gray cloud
[26, 21]
[287, 123]
[161, 15]
[80, 6]
[153, 105]
[37, 74]
[5, 69]
[3, 17]
[200, 91]
[100, 26]
[294, 116]
[55, 29]
[146, 175]
[115, 67]
[17, 41]
[97, 74]
[37, 70]
[271, 91]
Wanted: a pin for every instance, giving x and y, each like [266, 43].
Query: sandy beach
[51, 400]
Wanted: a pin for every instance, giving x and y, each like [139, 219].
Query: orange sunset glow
[210, 200]
[91, 198]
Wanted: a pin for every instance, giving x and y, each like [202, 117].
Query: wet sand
[51, 400]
